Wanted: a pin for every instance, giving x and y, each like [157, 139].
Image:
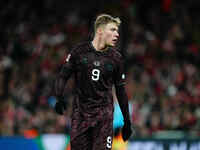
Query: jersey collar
[99, 52]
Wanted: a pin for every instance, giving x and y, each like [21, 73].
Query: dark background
[159, 40]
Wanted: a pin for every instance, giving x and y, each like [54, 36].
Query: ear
[100, 30]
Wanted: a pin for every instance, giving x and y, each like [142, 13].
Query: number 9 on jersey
[95, 74]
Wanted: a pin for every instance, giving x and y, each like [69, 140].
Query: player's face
[110, 34]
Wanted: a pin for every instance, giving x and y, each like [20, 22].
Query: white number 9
[95, 74]
[109, 142]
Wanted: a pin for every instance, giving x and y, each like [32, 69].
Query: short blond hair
[104, 19]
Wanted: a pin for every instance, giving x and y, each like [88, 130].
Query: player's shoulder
[115, 53]
[80, 46]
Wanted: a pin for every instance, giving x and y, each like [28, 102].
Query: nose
[117, 34]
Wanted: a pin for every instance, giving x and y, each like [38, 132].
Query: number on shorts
[109, 142]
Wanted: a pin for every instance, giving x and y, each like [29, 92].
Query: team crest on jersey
[96, 63]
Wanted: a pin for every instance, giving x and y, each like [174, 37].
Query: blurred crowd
[159, 40]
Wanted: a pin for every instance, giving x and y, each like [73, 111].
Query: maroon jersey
[95, 73]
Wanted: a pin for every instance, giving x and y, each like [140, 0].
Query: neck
[99, 44]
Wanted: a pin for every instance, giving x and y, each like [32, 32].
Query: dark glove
[60, 107]
[126, 130]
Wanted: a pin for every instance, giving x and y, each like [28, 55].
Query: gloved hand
[60, 107]
[126, 130]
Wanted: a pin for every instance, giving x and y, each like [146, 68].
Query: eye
[114, 29]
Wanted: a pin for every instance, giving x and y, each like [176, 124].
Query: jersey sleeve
[119, 73]
[120, 89]
[70, 61]
[67, 69]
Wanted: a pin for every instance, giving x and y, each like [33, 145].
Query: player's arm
[123, 99]
[62, 78]
[65, 73]
[123, 103]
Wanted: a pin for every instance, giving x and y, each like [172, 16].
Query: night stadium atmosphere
[100, 75]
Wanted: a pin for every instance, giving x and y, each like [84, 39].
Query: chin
[111, 44]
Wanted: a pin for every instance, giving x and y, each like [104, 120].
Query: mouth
[114, 40]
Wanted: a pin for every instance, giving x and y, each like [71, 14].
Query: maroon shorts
[92, 134]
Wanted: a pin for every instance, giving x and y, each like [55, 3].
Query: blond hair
[104, 19]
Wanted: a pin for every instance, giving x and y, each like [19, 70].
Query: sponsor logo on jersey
[109, 67]
[84, 60]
